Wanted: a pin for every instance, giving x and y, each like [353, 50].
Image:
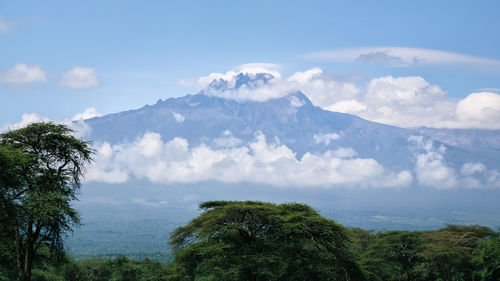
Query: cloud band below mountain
[258, 161]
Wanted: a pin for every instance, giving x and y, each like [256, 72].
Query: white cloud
[344, 152]
[412, 90]
[77, 124]
[21, 74]
[493, 178]
[100, 172]
[347, 106]
[251, 69]
[326, 138]
[401, 101]
[26, 119]
[431, 168]
[306, 76]
[413, 102]
[258, 161]
[479, 110]
[79, 78]
[472, 168]
[80, 128]
[254, 68]
[322, 89]
[477, 175]
[178, 117]
[87, 114]
[227, 140]
[407, 102]
[401, 56]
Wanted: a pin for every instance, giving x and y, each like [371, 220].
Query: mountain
[292, 120]
[452, 176]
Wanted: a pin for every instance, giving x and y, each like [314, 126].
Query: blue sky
[139, 50]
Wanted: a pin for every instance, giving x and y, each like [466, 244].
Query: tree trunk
[28, 260]
[19, 256]
[24, 262]
[28, 252]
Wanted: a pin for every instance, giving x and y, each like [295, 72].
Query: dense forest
[42, 164]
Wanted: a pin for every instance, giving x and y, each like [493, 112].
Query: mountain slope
[138, 205]
[292, 120]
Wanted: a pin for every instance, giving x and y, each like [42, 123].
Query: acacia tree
[392, 256]
[40, 166]
[488, 259]
[448, 253]
[261, 241]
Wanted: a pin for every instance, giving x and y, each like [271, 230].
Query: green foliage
[392, 256]
[261, 241]
[55, 265]
[488, 259]
[361, 240]
[119, 269]
[448, 253]
[96, 269]
[40, 170]
[8, 270]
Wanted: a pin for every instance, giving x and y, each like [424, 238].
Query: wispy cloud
[21, 74]
[76, 123]
[87, 114]
[26, 119]
[179, 118]
[402, 56]
[494, 90]
[79, 78]
[432, 170]
[260, 67]
[326, 138]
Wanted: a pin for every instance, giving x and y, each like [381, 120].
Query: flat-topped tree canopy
[249, 240]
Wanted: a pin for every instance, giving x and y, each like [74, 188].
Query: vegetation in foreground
[264, 241]
[40, 170]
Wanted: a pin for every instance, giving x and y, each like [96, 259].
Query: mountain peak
[249, 80]
[298, 99]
